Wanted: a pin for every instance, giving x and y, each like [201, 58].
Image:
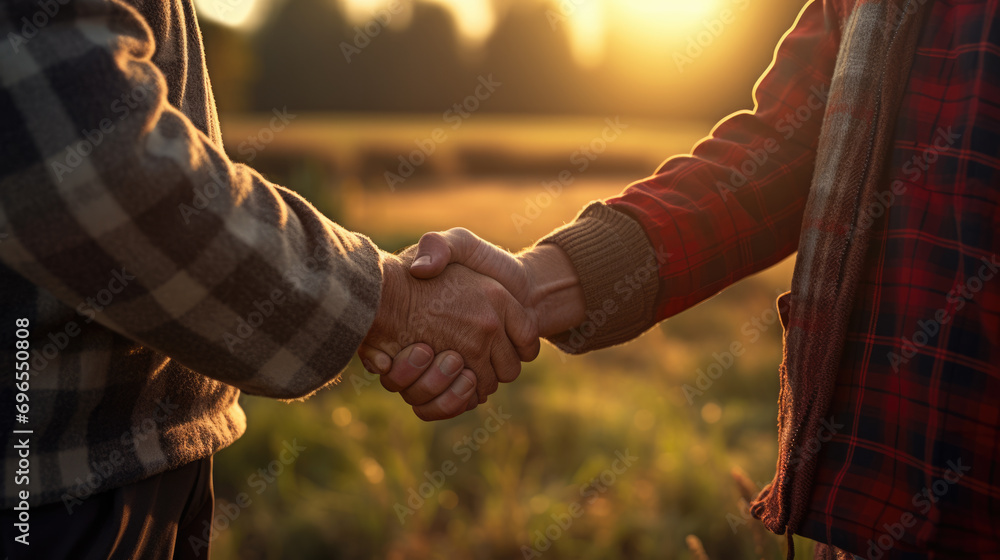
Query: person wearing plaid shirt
[156, 279]
[906, 460]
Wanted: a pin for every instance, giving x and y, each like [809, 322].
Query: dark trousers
[164, 517]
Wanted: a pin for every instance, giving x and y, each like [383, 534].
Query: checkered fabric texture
[159, 277]
[907, 460]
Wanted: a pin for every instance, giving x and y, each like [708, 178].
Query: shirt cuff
[618, 271]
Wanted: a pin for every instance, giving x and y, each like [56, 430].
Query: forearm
[734, 206]
[232, 276]
[705, 220]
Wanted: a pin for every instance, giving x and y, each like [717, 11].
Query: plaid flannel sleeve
[705, 220]
[106, 188]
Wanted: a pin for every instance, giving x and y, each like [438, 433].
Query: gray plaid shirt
[158, 277]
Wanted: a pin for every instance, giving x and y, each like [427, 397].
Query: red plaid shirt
[910, 464]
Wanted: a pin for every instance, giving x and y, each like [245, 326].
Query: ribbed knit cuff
[618, 268]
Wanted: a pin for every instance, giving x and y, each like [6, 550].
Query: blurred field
[569, 417]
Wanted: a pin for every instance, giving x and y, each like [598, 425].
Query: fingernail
[450, 365]
[424, 260]
[463, 385]
[383, 363]
[419, 358]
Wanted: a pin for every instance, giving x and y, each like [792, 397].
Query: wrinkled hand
[438, 387]
[457, 314]
[542, 280]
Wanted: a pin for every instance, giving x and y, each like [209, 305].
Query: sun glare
[234, 13]
[637, 23]
[474, 18]
[663, 11]
[588, 23]
[388, 12]
[587, 33]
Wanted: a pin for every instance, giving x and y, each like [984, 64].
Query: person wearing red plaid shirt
[904, 405]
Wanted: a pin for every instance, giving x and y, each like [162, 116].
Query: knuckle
[511, 373]
[495, 291]
[388, 384]
[488, 386]
[490, 323]
[452, 408]
[422, 414]
[431, 237]
[414, 397]
[461, 232]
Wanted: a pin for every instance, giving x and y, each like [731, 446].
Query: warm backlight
[590, 24]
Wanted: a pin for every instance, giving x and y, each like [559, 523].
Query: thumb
[434, 253]
[436, 250]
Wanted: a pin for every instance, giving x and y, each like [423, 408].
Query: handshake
[458, 315]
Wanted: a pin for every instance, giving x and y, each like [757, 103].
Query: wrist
[555, 294]
[393, 303]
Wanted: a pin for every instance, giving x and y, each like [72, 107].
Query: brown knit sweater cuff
[617, 267]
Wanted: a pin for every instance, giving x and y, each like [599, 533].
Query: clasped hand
[446, 335]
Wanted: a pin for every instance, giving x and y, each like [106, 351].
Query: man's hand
[459, 310]
[438, 387]
[542, 278]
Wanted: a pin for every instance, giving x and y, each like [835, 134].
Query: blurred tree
[299, 58]
[310, 57]
[534, 62]
[416, 69]
[231, 66]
